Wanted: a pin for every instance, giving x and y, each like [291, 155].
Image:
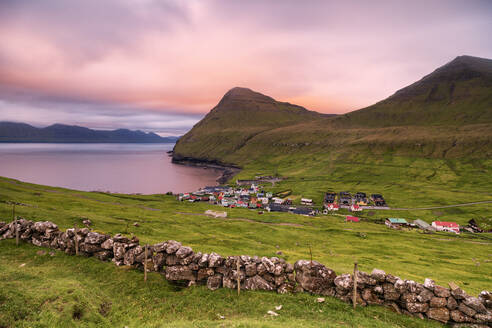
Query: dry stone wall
[181, 264]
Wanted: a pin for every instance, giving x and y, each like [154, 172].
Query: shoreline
[228, 171]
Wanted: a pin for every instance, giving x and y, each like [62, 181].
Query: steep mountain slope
[459, 92]
[60, 133]
[239, 116]
[447, 114]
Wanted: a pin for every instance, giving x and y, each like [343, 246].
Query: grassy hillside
[447, 114]
[239, 116]
[67, 291]
[457, 93]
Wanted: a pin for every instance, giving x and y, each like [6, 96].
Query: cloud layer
[165, 60]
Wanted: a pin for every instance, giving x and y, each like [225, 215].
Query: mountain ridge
[447, 113]
[62, 133]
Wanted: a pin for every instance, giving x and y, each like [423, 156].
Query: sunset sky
[160, 65]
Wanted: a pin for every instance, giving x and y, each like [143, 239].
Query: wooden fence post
[238, 267]
[76, 240]
[354, 299]
[145, 263]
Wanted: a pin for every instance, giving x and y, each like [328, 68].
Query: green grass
[67, 291]
[45, 291]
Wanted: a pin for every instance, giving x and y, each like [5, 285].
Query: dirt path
[246, 220]
[428, 208]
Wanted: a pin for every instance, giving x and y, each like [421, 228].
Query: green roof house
[395, 221]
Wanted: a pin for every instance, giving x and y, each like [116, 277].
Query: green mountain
[60, 133]
[240, 115]
[447, 114]
[459, 92]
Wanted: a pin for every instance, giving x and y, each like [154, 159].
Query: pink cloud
[172, 55]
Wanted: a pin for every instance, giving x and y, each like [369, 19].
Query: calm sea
[124, 168]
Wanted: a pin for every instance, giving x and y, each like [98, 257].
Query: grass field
[50, 291]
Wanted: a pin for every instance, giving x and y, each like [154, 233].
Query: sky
[161, 65]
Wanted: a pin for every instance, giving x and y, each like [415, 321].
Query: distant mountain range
[446, 114]
[60, 133]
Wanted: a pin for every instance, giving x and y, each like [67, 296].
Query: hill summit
[459, 92]
[240, 115]
[447, 113]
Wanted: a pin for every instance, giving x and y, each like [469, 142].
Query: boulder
[279, 280]
[118, 238]
[129, 258]
[391, 279]
[172, 246]
[108, 244]
[87, 222]
[160, 247]
[257, 283]
[260, 269]
[289, 268]
[119, 250]
[184, 251]
[441, 291]
[486, 298]
[451, 303]
[314, 277]
[203, 262]
[229, 283]
[104, 255]
[466, 310]
[378, 290]
[344, 281]
[458, 316]
[417, 307]
[284, 289]
[475, 304]
[425, 296]
[90, 248]
[408, 298]
[411, 286]
[179, 272]
[438, 302]
[390, 293]
[95, 238]
[279, 269]
[439, 314]
[41, 226]
[171, 260]
[204, 273]
[484, 318]
[429, 283]
[215, 260]
[250, 269]
[457, 292]
[159, 260]
[364, 279]
[268, 264]
[214, 282]
[379, 275]
[368, 296]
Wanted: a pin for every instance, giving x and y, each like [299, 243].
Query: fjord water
[124, 168]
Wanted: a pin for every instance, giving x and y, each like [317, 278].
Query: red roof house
[351, 219]
[446, 226]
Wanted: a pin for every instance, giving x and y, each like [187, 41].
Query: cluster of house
[398, 223]
[434, 226]
[252, 197]
[355, 203]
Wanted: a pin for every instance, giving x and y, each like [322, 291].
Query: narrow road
[425, 208]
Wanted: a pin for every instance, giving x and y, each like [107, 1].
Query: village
[249, 194]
